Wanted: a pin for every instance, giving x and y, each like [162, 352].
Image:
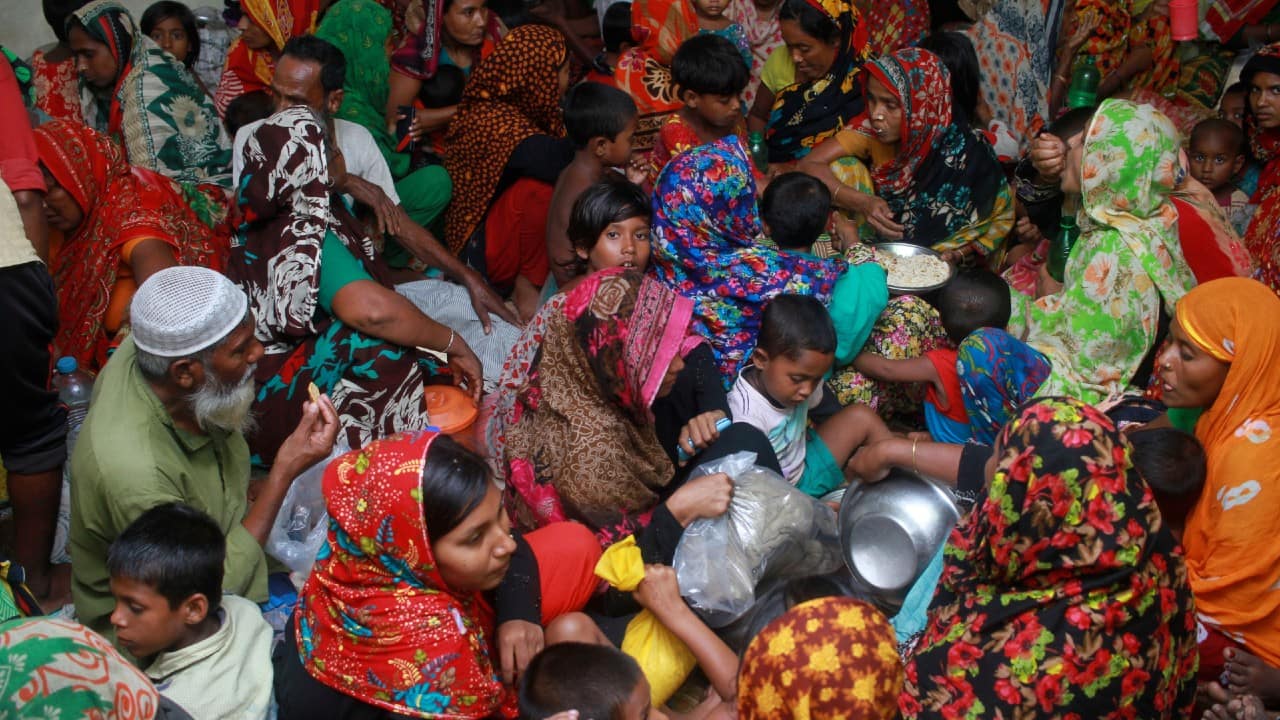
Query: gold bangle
[836, 197]
[914, 468]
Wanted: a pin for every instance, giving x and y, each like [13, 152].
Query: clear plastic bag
[302, 523]
[771, 531]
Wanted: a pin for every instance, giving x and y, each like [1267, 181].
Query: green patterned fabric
[359, 28]
[158, 111]
[1128, 260]
[22, 72]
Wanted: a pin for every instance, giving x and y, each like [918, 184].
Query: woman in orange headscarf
[1226, 336]
[265, 26]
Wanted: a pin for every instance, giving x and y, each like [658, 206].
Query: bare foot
[1248, 674]
[1248, 707]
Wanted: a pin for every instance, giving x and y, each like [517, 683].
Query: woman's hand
[871, 463]
[1084, 28]
[518, 642]
[426, 122]
[1027, 232]
[466, 368]
[659, 592]
[700, 432]
[1049, 157]
[1045, 284]
[704, 497]
[880, 216]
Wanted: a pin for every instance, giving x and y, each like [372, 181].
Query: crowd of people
[630, 241]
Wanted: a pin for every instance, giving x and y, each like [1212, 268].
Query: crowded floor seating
[690, 359]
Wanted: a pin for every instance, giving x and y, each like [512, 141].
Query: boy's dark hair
[1235, 87]
[709, 65]
[1235, 136]
[593, 109]
[595, 680]
[58, 12]
[165, 9]
[602, 204]
[813, 22]
[333, 64]
[444, 88]
[975, 298]
[615, 27]
[795, 323]
[454, 482]
[795, 206]
[957, 54]
[248, 108]
[174, 548]
[1173, 464]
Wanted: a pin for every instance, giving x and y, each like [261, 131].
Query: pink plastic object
[1184, 19]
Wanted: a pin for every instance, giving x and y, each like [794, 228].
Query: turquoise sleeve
[859, 298]
[338, 268]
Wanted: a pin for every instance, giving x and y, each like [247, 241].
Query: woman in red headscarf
[119, 224]
[265, 26]
[424, 601]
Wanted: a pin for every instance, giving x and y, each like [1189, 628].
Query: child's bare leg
[850, 429]
[1249, 675]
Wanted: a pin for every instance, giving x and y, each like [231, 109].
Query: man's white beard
[218, 405]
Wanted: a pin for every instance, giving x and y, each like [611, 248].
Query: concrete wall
[23, 29]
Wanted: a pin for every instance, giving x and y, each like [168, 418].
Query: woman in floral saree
[1062, 594]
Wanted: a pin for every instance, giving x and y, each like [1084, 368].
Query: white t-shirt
[359, 150]
[786, 427]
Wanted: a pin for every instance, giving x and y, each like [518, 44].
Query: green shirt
[131, 457]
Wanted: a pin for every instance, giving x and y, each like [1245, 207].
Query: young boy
[794, 211]
[976, 298]
[709, 75]
[207, 652]
[775, 392]
[601, 121]
[1217, 155]
[1231, 106]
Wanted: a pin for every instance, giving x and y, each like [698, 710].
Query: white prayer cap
[180, 311]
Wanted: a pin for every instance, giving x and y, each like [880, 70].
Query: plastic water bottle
[75, 386]
[758, 150]
[1084, 84]
[1060, 246]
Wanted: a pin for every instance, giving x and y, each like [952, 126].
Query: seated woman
[459, 33]
[504, 151]
[1225, 337]
[424, 601]
[361, 30]
[1062, 594]
[265, 26]
[321, 302]
[941, 185]
[119, 224]
[145, 99]
[1126, 264]
[817, 75]
[573, 430]
[1131, 42]
[706, 246]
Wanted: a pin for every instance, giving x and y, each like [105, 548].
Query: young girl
[713, 21]
[422, 601]
[609, 227]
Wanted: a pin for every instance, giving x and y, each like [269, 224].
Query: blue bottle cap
[66, 365]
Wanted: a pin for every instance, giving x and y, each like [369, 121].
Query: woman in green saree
[360, 29]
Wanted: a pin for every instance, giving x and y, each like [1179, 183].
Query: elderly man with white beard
[167, 423]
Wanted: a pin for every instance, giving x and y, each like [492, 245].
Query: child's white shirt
[786, 428]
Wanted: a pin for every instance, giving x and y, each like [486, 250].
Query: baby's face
[1213, 161]
[1232, 109]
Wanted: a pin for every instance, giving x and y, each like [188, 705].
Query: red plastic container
[1184, 19]
[454, 412]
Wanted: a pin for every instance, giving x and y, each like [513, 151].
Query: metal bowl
[890, 531]
[902, 249]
